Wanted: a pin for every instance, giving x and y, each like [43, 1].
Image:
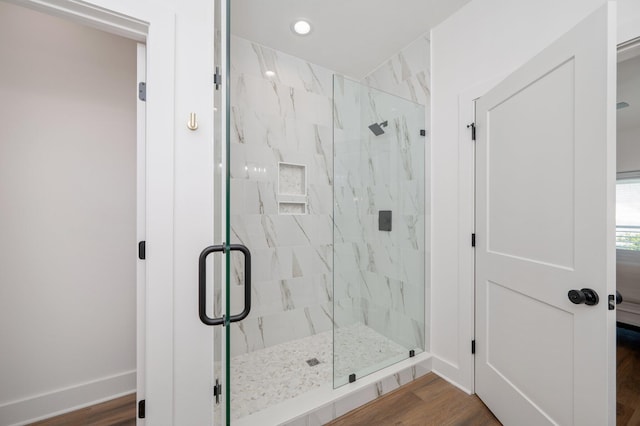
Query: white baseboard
[60, 401]
[628, 313]
[453, 382]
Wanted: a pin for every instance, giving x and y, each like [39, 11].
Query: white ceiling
[629, 91]
[351, 37]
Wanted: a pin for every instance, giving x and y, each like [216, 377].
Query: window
[628, 214]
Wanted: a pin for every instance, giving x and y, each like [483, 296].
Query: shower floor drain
[313, 361]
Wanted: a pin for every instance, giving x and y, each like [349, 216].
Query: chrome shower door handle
[202, 284]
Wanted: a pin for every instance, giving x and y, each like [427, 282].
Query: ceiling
[629, 92]
[351, 37]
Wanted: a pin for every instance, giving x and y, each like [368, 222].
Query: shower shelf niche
[292, 188]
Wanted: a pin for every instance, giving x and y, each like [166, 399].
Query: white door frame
[466, 227]
[153, 24]
[141, 221]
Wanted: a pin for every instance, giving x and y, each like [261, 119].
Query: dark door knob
[586, 295]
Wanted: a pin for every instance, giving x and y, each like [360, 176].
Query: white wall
[179, 184]
[481, 43]
[68, 217]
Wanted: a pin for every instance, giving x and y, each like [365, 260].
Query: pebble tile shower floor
[269, 376]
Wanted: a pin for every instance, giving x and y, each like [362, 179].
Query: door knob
[586, 295]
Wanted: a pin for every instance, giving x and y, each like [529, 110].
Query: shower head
[377, 128]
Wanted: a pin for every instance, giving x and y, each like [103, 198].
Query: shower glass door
[379, 229]
[280, 207]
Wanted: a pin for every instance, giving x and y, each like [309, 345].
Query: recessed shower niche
[292, 188]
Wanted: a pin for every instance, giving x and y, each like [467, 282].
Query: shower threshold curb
[325, 403]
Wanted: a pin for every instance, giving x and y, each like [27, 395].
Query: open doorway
[70, 168]
[628, 236]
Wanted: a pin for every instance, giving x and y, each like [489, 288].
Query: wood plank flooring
[117, 412]
[429, 400]
[628, 377]
[433, 401]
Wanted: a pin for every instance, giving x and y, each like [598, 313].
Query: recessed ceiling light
[301, 27]
[269, 73]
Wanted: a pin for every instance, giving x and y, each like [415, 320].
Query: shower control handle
[202, 284]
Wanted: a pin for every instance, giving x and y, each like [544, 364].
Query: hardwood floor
[117, 412]
[429, 400]
[433, 401]
[628, 377]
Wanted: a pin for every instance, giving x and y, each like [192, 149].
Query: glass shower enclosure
[379, 230]
[322, 179]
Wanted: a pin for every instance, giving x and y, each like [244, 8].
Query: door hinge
[217, 78]
[473, 240]
[473, 346]
[141, 409]
[473, 130]
[217, 391]
[423, 132]
[142, 91]
[142, 250]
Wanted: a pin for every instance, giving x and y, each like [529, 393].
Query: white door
[545, 226]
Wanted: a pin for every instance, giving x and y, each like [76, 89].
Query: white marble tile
[247, 335]
[361, 350]
[267, 377]
[292, 179]
[406, 73]
[255, 59]
[322, 416]
[267, 298]
[259, 198]
[303, 421]
[293, 256]
[321, 200]
[355, 400]
[390, 383]
[292, 208]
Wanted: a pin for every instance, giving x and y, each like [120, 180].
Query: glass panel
[228, 383]
[379, 229]
[217, 271]
[281, 198]
[628, 214]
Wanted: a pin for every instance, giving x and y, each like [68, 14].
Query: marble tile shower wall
[288, 117]
[281, 117]
[407, 75]
[380, 275]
